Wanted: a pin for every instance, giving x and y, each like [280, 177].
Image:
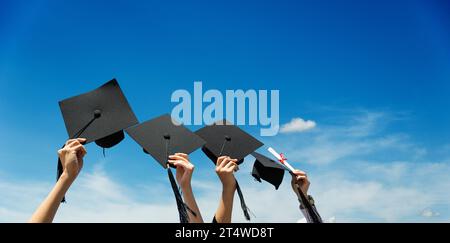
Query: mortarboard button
[97, 114]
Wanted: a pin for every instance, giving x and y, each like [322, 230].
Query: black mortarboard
[267, 169]
[162, 137]
[223, 138]
[100, 115]
[154, 134]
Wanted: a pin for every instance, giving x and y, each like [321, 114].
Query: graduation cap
[267, 169]
[161, 137]
[223, 138]
[100, 116]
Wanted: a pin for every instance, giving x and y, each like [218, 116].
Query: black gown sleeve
[311, 214]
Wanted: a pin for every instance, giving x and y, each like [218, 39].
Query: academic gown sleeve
[309, 215]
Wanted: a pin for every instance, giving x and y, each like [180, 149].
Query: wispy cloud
[297, 125]
[429, 213]
[96, 197]
[362, 172]
[359, 173]
[360, 134]
[374, 200]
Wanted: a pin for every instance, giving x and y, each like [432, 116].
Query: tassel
[244, 207]
[97, 114]
[190, 210]
[184, 218]
[182, 207]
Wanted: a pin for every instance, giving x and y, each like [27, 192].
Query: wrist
[229, 187]
[186, 186]
[65, 178]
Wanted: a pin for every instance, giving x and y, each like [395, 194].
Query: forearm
[225, 209]
[47, 210]
[189, 199]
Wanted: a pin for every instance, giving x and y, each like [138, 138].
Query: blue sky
[373, 75]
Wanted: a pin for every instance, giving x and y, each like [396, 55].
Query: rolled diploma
[280, 159]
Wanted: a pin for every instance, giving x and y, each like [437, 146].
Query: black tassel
[97, 114]
[244, 207]
[184, 217]
[190, 210]
[182, 207]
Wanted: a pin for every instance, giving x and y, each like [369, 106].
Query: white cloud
[367, 201]
[302, 221]
[355, 178]
[297, 125]
[361, 173]
[346, 138]
[429, 213]
[331, 220]
[96, 197]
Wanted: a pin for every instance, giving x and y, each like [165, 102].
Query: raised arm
[185, 169]
[225, 169]
[300, 182]
[71, 157]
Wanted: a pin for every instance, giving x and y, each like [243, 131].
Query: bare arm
[71, 157]
[225, 209]
[184, 176]
[48, 208]
[189, 199]
[225, 169]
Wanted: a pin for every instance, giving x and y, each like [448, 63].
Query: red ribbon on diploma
[283, 159]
